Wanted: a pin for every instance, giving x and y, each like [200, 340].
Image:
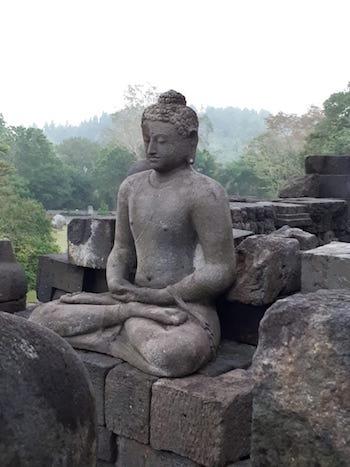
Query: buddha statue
[173, 254]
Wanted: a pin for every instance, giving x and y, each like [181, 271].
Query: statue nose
[151, 148]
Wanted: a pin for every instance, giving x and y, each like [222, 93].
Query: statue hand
[132, 293]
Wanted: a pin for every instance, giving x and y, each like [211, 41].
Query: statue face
[165, 148]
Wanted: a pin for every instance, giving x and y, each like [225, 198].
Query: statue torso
[161, 225]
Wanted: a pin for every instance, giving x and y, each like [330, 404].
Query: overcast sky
[66, 60]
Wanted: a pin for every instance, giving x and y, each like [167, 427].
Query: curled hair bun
[172, 97]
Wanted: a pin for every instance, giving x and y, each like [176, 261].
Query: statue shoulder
[207, 188]
[134, 181]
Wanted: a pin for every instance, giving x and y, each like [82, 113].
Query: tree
[206, 163]
[35, 161]
[239, 179]
[331, 135]
[126, 126]
[79, 153]
[111, 169]
[24, 222]
[278, 154]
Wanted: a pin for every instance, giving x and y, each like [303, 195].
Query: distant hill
[226, 130]
[92, 129]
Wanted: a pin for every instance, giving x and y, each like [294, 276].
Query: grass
[61, 240]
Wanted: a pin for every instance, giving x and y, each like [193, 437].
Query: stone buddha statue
[173, 254]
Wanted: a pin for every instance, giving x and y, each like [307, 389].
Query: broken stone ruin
[169, 354]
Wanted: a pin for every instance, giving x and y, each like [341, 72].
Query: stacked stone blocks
[199, 420]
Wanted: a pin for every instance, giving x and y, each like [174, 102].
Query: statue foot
[167, 316]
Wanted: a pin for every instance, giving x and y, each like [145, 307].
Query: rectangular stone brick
[134, 454]
[128, 401]
[98, 366]
[327, 165]
[106, 444]
[326, 267]
[204, 419]
[230, 356]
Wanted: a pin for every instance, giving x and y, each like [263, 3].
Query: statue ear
[193, 136]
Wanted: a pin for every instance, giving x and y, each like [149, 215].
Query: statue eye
[161, 140]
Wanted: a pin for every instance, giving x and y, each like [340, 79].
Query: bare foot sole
[85, 298]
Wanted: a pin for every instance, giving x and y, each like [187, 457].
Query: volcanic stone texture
[326, 267]
[204, 419]
[301, 410]
[267, 266]
[46, 403]
[90, 241]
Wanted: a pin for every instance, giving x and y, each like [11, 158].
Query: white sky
[66, 60]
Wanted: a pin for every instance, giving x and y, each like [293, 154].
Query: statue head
[170, 132]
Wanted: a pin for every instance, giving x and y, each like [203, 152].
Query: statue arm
[212, 222]
[122, 259]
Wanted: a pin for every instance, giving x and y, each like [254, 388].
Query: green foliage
[110, 170]
[206, 163]
[35, 161]
[79, 153]
[24, 222]
[278, 154]
[332, 134]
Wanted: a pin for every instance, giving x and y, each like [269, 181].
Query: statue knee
[175, 358]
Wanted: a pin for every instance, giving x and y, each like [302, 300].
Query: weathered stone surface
[326, 267]
[335, 186]
[134, 454]
[258, 216]
[301, 414]
[306, 185]
[46, 403]
[326, 214]
[239, 235]
[244, 463]
[98, 366]
[106, 445]
[307, 241]
[128, 401]
[57, 276]
[90, 241]
[204, 419]
[327, 165]
[231, 355]
[13, 284]
[267, 266]
[101, 463]
[240, 322]
[14, 306]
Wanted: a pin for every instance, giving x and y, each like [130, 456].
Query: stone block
[239, 235]
[327, 165]
[14, 306]
[326, 267]
[301, 410]
[98, 366]
[267, 266]
[303, 186]
[55, 272]
[134, 454]
[90, 241]
[100, 463]
[106, 444]
[243, 463]
[307, 241]
[335, 186]
[204, 419]
[230, 356]
[128, 402]
[57, 276]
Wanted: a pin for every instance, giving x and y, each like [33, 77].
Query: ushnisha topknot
[171, 107]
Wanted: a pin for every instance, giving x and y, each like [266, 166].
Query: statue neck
[158, 178]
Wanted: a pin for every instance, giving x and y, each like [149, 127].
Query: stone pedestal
[146, 421]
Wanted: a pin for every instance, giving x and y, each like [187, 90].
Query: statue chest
[161, 215]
